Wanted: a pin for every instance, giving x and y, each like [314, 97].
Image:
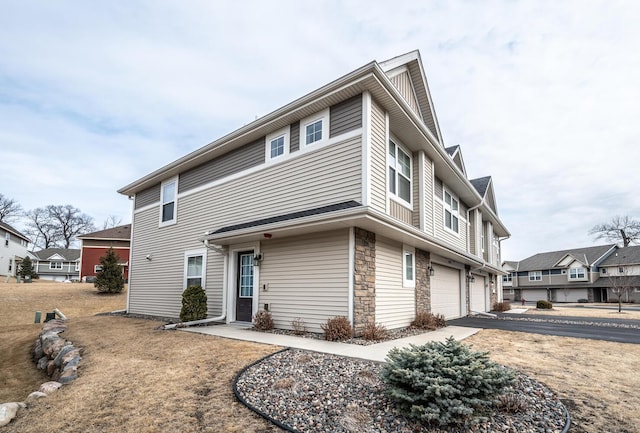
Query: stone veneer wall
[364, 284]
[423, 282]
[493, 297]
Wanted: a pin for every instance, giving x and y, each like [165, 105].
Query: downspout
[224, 296]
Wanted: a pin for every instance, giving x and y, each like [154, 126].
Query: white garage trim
[478, 301]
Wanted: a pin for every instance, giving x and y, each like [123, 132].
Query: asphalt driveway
[618, 330]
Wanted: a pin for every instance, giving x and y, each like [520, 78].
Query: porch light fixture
[432, 271]
[470, 277]
[257, 259]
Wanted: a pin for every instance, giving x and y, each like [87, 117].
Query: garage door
[533, 295]
[445, 292]
[478, 297]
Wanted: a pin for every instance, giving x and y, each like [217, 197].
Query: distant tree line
[51, 226]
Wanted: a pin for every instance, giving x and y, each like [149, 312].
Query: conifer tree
[26, 268]
[109, 279]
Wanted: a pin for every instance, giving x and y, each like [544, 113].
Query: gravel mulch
[392, 334]
[316, 392]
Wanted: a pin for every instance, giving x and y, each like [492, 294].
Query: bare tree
[111, 222]
[621, 285]
[9, 209]
[57, 225]
[619, 228]
[70, 222]
[42, 228]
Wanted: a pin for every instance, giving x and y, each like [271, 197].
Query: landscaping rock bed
[53, 354]
[315, 392]
[390, 335]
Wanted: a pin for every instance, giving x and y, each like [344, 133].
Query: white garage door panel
[533, 295]
[478, 297]
[445, 292]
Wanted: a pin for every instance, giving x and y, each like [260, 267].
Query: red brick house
[96, 244]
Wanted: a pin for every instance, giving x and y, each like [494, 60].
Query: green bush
[583, 301]
[109, 279]
[443, 383]
[544, 305]
[337, 329]
[194, 304]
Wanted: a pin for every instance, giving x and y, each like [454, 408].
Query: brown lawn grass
[586, 312]
[135, 378]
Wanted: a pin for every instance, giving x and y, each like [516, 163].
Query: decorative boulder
[8, 412]
[49, 387]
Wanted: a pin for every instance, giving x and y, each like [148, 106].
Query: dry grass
[134, 378]
[599, 378]
[586, 312]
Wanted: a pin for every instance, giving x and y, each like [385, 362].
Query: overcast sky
[543, 96]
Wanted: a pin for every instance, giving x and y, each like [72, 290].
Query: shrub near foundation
[544, 305]
[194, 304]
[337, 329]
[428, 321]
[444, 383]
[263, 321]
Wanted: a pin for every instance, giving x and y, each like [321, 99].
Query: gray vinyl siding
[308, 278]
[395, 305]
[330, 174]
[345, 116]
[148, 196]
[403, 84]
[294, 137]
[247, 156]
[378, 156]
[473, 232]
[428, 196]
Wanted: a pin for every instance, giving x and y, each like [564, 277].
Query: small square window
[277, 147]
[97, 268]
[313, 132]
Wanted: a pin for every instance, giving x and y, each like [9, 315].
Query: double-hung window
[194, 268]
[168, 210]
[452, 213]
[576, 273]
[55, 265]
[408, 267]
[535, 275]
[399, 172]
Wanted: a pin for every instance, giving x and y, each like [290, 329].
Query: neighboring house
[620, 271]
[57, 264]
[558, 276]
[95, 245]
[344, 202]
[509, 268]
[14, 248]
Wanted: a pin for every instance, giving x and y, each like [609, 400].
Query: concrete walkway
[374, 352]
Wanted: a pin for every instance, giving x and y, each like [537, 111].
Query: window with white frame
[408, 267]
[55, 265]
[315, 129]
[277, 144]
[577, 274]
[97, 268]
[194, 268]
[452, 213]
[168, 200]
[507, 278]
[603, 271]
[7, 236]
[535, 275]
[399, 172]
[621, 270]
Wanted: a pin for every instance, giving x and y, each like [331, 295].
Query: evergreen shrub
[444, 383]
[544, 305]
[109, 279]
[194, 304]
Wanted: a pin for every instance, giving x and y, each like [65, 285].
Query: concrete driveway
[617, 330]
